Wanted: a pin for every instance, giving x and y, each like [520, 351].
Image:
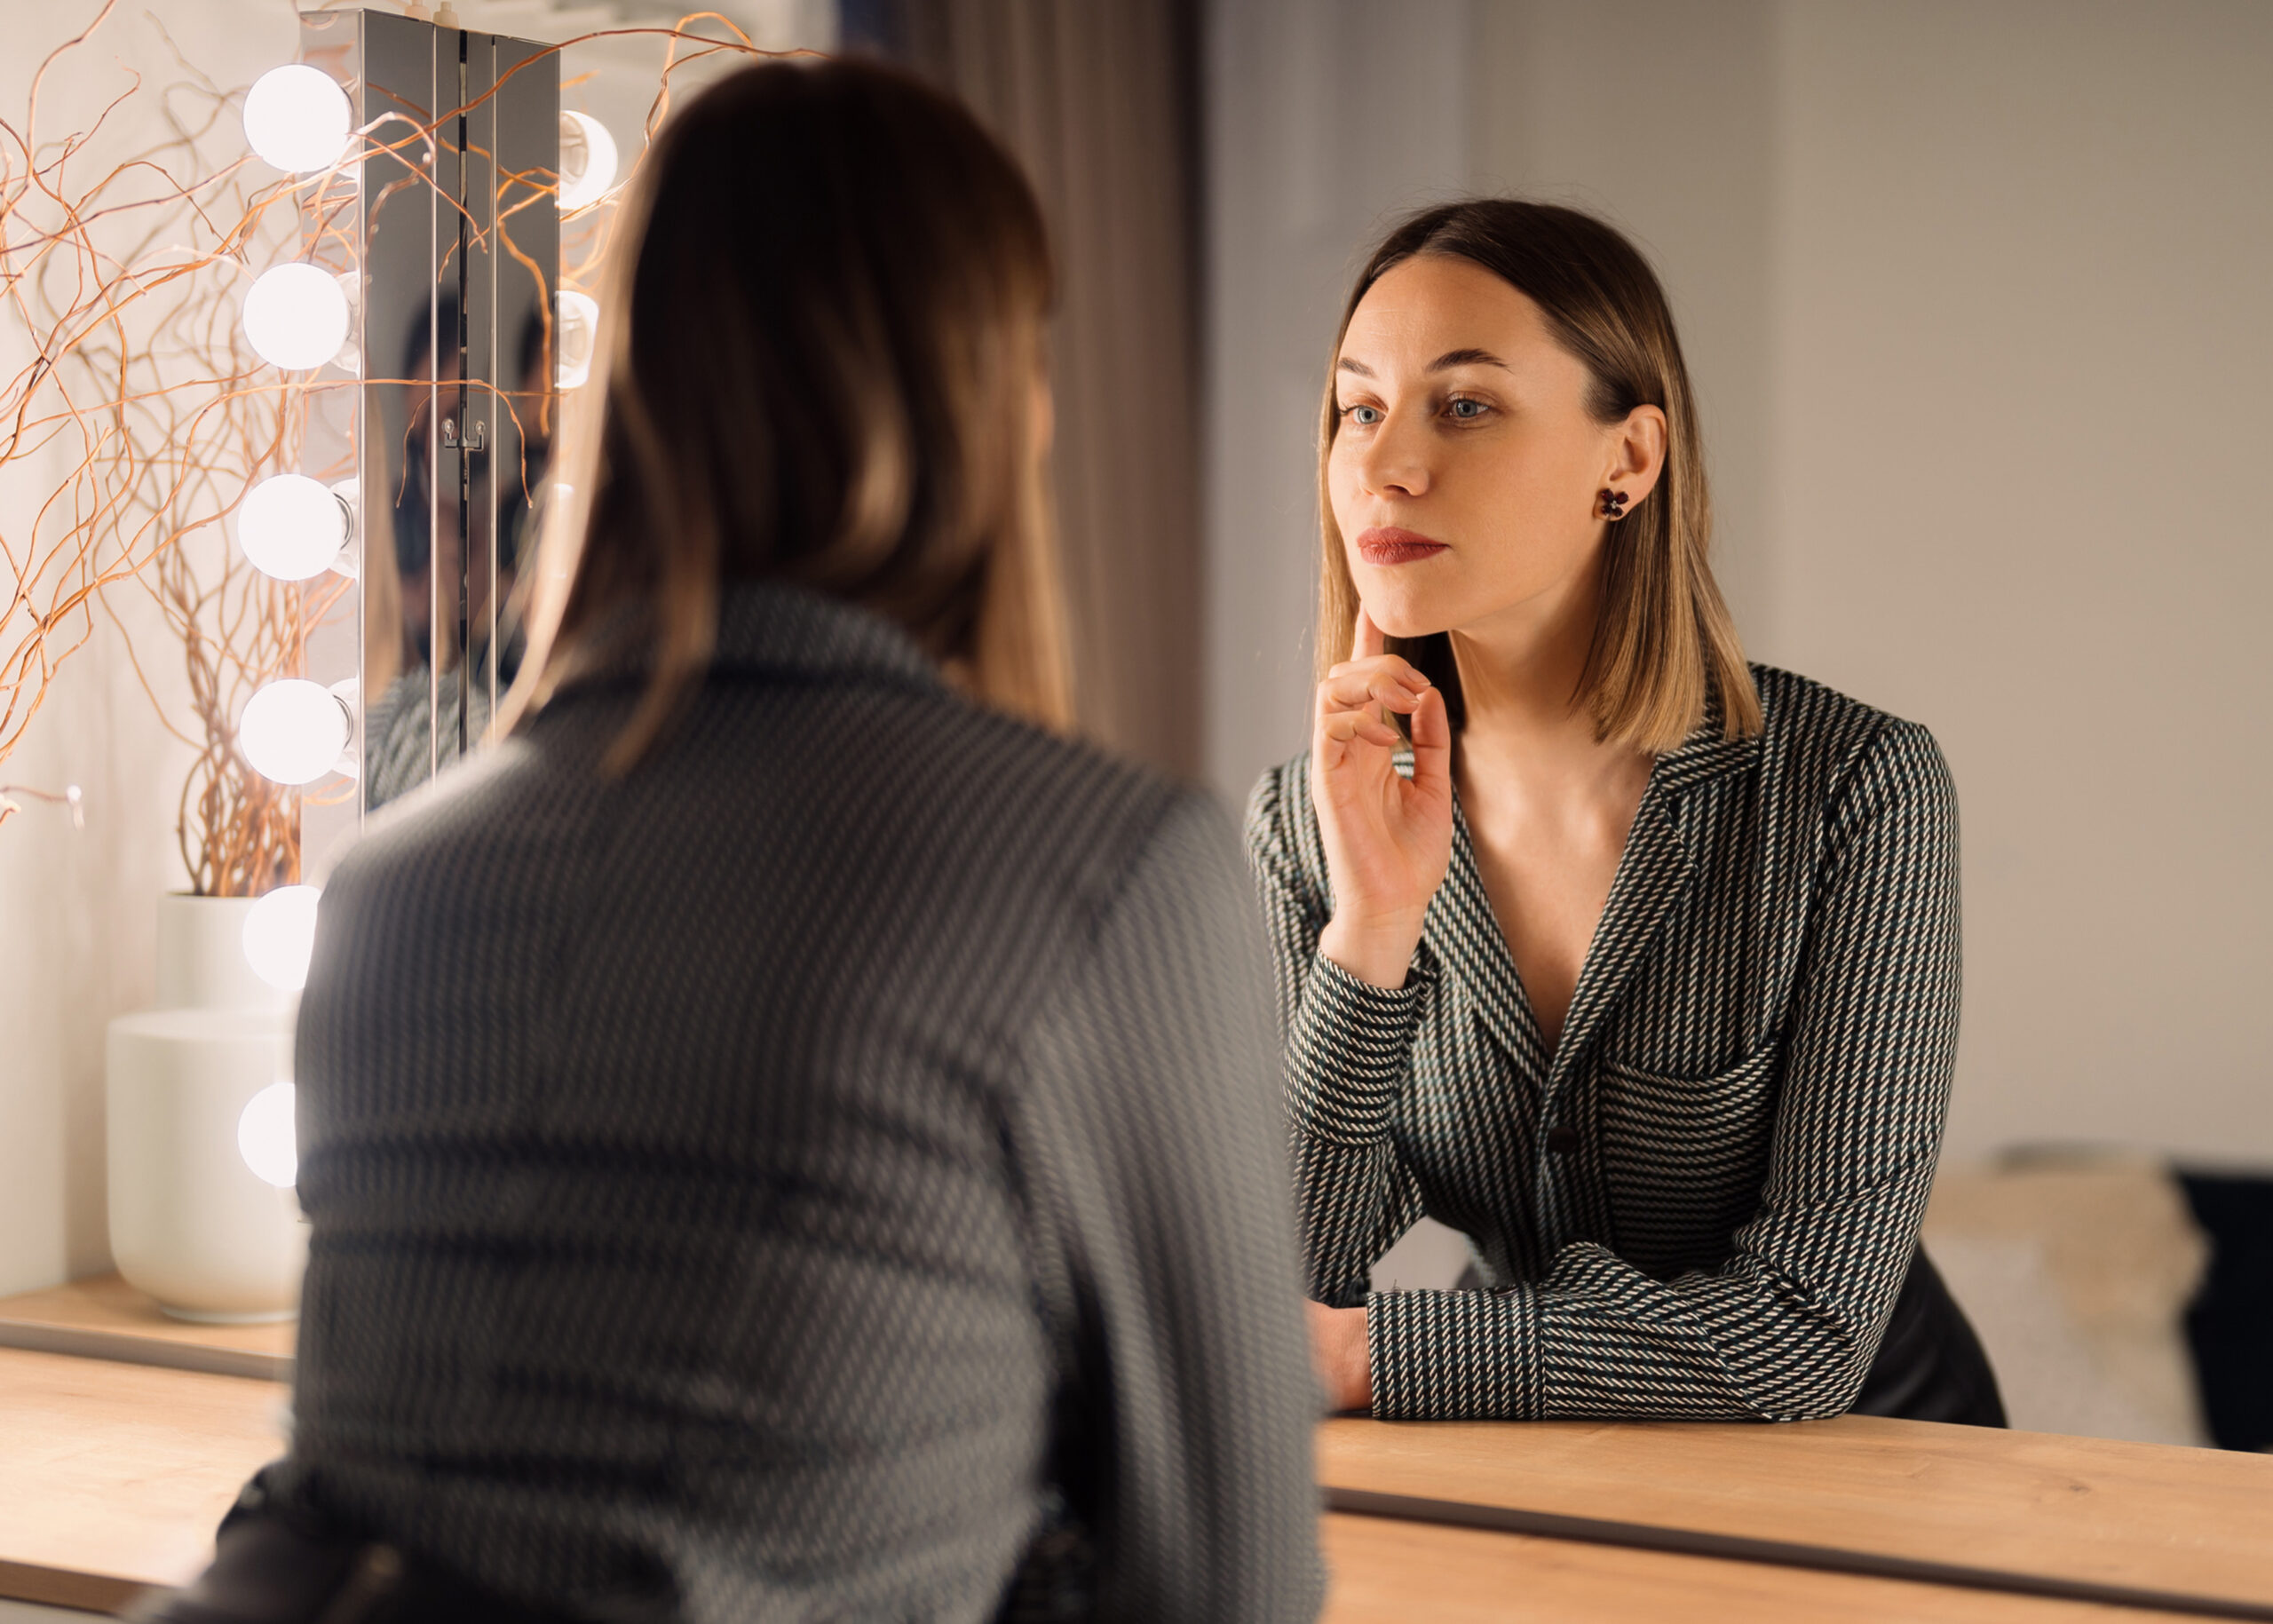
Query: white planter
[191, 1223]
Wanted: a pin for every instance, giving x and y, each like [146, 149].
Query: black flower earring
[1613, 503]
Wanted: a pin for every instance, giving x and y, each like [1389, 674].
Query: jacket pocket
[1684, 1157]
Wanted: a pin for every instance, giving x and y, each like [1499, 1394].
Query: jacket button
[1563, 1139]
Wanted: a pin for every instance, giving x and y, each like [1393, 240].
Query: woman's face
[1465, 466]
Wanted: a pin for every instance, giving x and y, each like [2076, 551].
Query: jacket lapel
[1652, 875]
[1463, 933]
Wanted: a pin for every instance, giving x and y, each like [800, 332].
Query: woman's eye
[1363, 416]
[1466, 411]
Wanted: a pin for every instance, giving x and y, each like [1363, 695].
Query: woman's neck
[1519, 674]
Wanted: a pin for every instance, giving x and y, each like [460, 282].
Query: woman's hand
[1388, 839]
[1339, 1356]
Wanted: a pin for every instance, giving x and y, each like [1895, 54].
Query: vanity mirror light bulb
[267, 1137]
[587, 160]
[294, 731]
[296, 117]
[296, 316]
[279, 933]
[575, 335]
[292, 528]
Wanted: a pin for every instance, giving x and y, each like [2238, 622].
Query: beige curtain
[1099, 101]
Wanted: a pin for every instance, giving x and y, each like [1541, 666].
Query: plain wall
[1973, 298]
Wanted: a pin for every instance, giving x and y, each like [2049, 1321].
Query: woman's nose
[1395, 463]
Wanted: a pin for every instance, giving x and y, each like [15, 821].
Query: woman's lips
[1385, 545]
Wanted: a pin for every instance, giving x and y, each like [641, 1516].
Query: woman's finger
[1367, 640]
[1346, 726]
[1396, 665]
[1359, 687]
[1432, 745]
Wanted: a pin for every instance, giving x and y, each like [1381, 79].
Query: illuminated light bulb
[267, 1137]
[587, 160]
[349, 495]
[292, 528]
[297, 316]
[575, 335]
[294, 731]
[298, 118]
[279, 933]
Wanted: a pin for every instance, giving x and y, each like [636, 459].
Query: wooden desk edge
[26, 1581]
[126, 1349]
[101, 1317]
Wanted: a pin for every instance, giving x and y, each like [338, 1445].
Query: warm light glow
[576, 327]
[266, 1136]
[294, 731]
[298, 118]
[296, 316]
[291, 527]
[279, 933]
[587, 160]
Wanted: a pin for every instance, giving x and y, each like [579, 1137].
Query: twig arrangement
[143, 418]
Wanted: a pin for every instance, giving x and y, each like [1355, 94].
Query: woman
[781, 1132]
[1636, 964]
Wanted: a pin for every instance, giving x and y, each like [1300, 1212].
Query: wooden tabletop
[105, 1317]
[113, 1477]
[1393, 1572]
[2143, 1516]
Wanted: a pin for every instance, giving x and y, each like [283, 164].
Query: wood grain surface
[2139, 1515]
[1390, 1573]
[113, 1476]
[105, 1317]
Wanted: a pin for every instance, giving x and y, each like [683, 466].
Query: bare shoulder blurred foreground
[790, 1133]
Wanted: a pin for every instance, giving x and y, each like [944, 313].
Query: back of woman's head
[819, 363]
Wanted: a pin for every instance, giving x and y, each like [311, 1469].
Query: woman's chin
[1407, 621]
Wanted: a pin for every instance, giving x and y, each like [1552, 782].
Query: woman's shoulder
[1823, 743]
[1283, 844]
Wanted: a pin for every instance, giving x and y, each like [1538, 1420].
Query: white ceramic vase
[191, 1222]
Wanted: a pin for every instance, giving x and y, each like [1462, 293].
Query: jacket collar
[1704, 754]
[768, 629]
[1654, 873]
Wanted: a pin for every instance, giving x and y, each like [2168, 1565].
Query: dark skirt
[1930, 1366]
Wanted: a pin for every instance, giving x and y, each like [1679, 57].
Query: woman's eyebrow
[1450, 358]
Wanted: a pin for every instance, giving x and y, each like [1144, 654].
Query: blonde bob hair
[819, 362]
[1665, 653]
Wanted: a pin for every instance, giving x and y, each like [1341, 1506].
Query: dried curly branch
[143, 420]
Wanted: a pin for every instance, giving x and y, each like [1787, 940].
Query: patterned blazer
[757, 1183]
[1704, 1201]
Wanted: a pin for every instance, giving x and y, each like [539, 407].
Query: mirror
[459, 237]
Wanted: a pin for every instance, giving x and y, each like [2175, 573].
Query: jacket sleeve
[1152, 1071]
[1346, 1050]
[1786, 1326]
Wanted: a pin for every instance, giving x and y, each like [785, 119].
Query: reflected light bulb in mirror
[575, 333]
[279, 933]
[266, 1136]
[296, 117]
[587, 160]
[296, 316]
[293, 731]
[291, 527]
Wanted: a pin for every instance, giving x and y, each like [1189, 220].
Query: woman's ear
[1638, 452]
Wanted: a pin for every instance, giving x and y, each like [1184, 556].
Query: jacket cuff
[1455, 1355]
[1348, 1052]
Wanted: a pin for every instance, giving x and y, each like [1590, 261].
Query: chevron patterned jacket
[772, 1185]
[1703, 1202]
